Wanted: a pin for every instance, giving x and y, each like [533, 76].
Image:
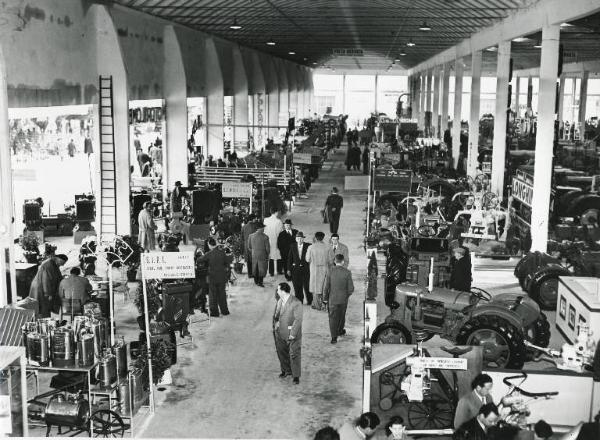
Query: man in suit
[146, 235]
[338, 248]
[287, 330]
[338, 288]
[74, 291]
[248, 229]
[469, 404]
[259, 248]
[218, 265]
[176, 203]
[334, 205]
[477, 427]
[44, 287]
[298, 269]
[273, 226]
[285, 240]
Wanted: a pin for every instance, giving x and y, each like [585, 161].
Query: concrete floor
[226, 384]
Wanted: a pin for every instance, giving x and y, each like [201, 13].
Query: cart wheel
[107, 423]
[434, 413]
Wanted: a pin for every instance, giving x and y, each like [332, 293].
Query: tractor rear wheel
[391, 333]
[502, 342]
[545, 291]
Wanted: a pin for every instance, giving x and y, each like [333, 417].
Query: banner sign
[393, 180]
[305, 158]
[438, 363]
[348, 52]
[241, 190]
[157, 265]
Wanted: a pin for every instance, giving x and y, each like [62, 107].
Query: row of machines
[79, 216]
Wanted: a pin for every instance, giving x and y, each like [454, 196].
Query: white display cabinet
[578, 303]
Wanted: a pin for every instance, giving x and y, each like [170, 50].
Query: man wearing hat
[176, 195]
[285, 240]
[44, 287]
[259, 248]
[460, 275]
[298, 268]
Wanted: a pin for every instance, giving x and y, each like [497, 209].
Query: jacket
[75, 287]
[317, 257]
[258, 246]
[470, 430]
[334, 203]
[468, 406]
[147, 238]
[44, 287]
[296, 261]
[218, 263]
[285, 241]
[290, 318]
[341, 249]
[338, 286]
[247, 230]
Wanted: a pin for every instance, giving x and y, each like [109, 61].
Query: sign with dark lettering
[158, 265]
[522, 191]
[393, 180]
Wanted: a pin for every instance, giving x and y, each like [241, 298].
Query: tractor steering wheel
[426, 231]
[481, 294]
[489, 200]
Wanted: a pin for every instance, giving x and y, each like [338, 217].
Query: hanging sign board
[242, 190]
[305, 158]
[439, 363]
[393, 180]
[342, 52]
[158, 265]
[522, 191]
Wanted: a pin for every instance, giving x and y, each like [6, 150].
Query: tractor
[500, 325]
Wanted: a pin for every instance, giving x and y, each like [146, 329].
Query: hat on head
[62, 257]
[178, 183]
[288, 221]
[300, 234]
[260, 225]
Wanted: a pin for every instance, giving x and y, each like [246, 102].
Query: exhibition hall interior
[300, 219]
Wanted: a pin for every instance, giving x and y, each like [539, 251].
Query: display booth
[47, 143]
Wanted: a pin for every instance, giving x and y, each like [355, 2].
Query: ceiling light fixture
[492, 49]
[402, 53]
[424, 27]
[235, 25]
[520, 39]
[538, 45]
[291, 52]
[271, 42]
[410, 43]
[314, 64]
[397, 59]
[563, 25]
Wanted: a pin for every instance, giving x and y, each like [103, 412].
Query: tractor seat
[456, 351]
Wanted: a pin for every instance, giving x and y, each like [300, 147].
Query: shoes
[343, 332]
[296, 380]
[284, 374]
[225, 313]
[334, 340]
[260, 284]
[214, 315]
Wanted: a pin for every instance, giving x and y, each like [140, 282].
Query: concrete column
[499, 145]
[175, 87]
[301, 110]
[7, 227]
[428, 87]
[421, 100]
[109, 61]
[583, 101]
[445, 96]
[272, 91]
[474, 118]
[214, 101]
[530, 91]
[284, 93]
[240, 98]
[456, 120]
[311, 93]
[436, 102]
[545, 137]
[376, 92]
[344, 94]
[517, 95]
[561, 98]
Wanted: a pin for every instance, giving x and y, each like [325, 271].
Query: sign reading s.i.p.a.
[158, 265]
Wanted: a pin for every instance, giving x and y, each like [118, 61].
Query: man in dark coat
[285, 240]
[218, 270]
[248, 229]
[477, 427]
[44, 287]
[287, 331]
[298, 269]
[338, 288]
[334, 205]
[176, 195]
[259, 248]
[365, 160]
[460, 275]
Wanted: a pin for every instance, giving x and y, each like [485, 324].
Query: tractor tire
[391, 333]
[483, 327]
[545, 291]
[584, 207]
[538, 334]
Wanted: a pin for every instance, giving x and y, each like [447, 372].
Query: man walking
[259, 248]
[147, 238]
[287, 330]
[298, 269]
[285, 240]
[273, 226]
[248, 229]
[338, 288]
[338, 248]
[317, 257]
[334, 205]
[218, 265]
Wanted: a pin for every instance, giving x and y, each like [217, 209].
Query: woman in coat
[317, 257]
[146, 224]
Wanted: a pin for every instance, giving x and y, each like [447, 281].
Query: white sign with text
[237, 189]
[439, 363]
[158, 265]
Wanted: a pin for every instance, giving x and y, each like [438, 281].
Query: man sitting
[74, 291]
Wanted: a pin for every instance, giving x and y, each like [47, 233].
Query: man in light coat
[259, 248]
[248, 229]
[146, 237]
[317, 258]
[338, 288]
[287, 331]
[273, 226]
[338, 248]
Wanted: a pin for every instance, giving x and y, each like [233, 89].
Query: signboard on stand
[440, 363]
[393, 180]
[303, 158]
[159, 265]
[242, 190]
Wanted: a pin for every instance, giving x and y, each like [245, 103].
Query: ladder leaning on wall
[108, 199]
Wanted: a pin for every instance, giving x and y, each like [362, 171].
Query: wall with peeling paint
[50, 48]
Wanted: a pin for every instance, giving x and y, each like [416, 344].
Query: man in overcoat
[317, 257]
[259, 247]
[298, 269]
[285, 240]
[218, 271]
[287, 331]
[248, 229]
[146, 237]
[44, 287]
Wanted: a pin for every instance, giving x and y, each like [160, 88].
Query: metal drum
[72, 411]
[28, 327]
[99, 327]
[120, 352]
[63, 347]
[136, 396]
[107, 369]
[38, 347]
[79, 324]
[85, 350]
[47, 325]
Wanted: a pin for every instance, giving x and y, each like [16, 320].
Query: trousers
[249, 263]
[272, 266]
[334, 221]
[217, 298]
[301, 282]
[289, 354]
[337, 319]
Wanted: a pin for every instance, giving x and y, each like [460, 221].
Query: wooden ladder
[108, 195]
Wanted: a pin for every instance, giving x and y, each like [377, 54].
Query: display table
[13, 392]
[577, 303]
